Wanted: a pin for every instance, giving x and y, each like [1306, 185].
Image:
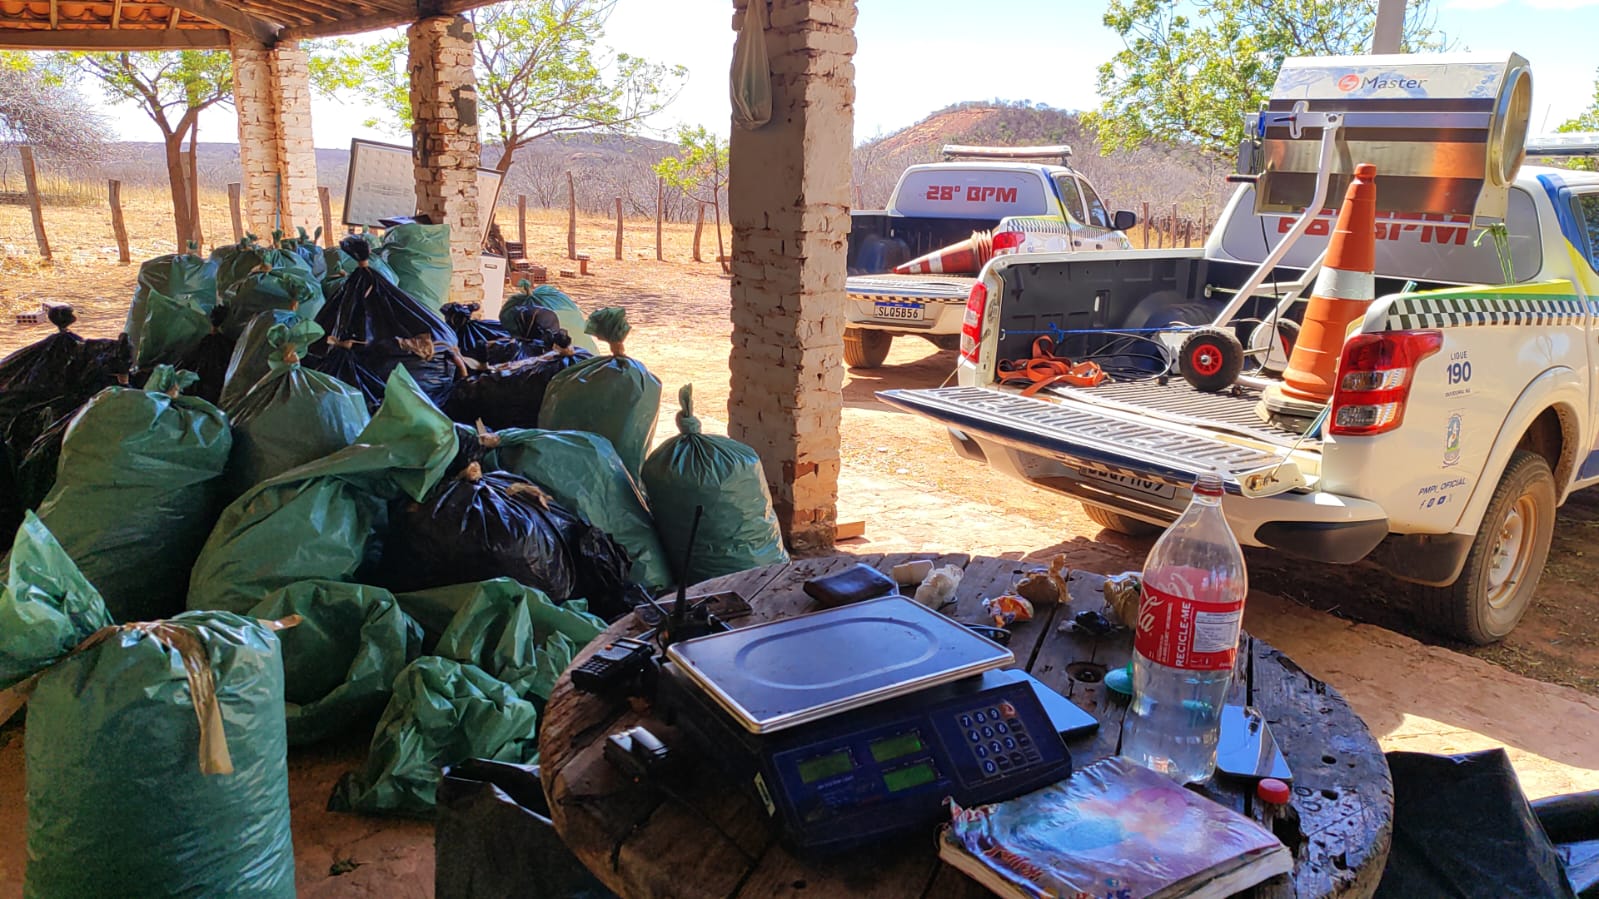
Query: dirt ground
[1536, 694]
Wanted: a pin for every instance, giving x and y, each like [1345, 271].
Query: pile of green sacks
[137, 784]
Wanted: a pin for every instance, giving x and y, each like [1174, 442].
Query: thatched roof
[188, 24]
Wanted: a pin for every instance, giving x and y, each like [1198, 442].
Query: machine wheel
[1211, 359]
[1269, 354]
[866, 348]
[1116, 521]
[1506, 559]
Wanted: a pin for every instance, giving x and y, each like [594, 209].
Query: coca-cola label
[1191, 634]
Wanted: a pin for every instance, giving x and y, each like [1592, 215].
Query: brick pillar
[789, 200]
[272, 93]
[445, 141]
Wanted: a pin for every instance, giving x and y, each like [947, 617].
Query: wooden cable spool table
[708, 839]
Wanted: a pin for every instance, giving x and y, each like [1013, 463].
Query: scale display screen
[914, 776]
[897, 746]
[824, 766]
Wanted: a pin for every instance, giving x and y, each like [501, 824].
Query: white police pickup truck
[1030, 207]
[1466, 403]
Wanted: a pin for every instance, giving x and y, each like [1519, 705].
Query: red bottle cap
[1273, 791]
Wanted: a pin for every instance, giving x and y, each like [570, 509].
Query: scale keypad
[998, 739]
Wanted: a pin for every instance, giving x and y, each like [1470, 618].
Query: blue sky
[919, 55]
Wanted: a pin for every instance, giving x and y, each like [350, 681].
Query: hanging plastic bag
[420, 257]
[480, 525]
[614, 396]
[738, 530]
[157, 764]
[137, 490]
[376, 327]
[584, 473]
[322, 520]
[340, 661]
[250, 359]
[511, 395]
[292, 416]
[513, 632]
[277, 289]
[517, 312]
[442, 712]
[209, 359]
[752, 70]
[47, 607]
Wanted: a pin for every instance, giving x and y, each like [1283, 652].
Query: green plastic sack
[340, 661]
[293, 415]
[614, 396]
[322, 520]
[47, 606]
[306, 246]
[137, 491]
[340, 264]
[278, 289]
[584, 473]
[119, 800]
[554, 299]
[419, 255]
[171, 305]
[512, 631]
[249, 364]
[442, 713]
[236, 261]
[739, 529]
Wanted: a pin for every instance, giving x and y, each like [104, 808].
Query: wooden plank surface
[709, 840]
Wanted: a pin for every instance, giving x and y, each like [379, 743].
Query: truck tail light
[972, 324]
[1374, 380]
[1008, 241]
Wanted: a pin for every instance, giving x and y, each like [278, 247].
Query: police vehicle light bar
[1052, 151]
[1576, 143]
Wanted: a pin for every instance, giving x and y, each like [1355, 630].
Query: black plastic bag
[472, 335]
[382, 328]
[1462, 828]
[210, 359]
[61, 368]
[511, 395]
[484, 525]
[495, 840]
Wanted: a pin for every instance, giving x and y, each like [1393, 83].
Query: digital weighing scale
[855, 723]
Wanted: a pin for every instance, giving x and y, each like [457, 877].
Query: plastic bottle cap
[1118, 680]
[1273, 791]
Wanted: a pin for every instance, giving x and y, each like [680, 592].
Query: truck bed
[1176, 400]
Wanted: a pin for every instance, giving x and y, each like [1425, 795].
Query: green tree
[699, 170]
[1588, 120]
[172, 88]
[540, 71]
[1189, 74]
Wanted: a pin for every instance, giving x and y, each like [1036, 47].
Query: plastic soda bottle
[1186, 641]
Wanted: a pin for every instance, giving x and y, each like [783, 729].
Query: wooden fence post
[660, 211]
[1204, 223]
[1174, 226]
[30, 180]
[699, 226]
[571, 217]
[1146, 226]
[1188, 233]
[324, 197]
[119, 228]
[619, 229]
[521, 223]
[238, 214]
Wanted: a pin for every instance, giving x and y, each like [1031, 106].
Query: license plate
[909, 311]
[1141, 485]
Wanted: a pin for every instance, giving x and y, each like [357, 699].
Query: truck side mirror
[1124, 220]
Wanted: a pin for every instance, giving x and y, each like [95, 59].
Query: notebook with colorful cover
[1113, 830]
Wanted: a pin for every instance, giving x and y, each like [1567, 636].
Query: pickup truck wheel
[1506, 558]
[866, 348]
[1211, 359]
[1116, 521]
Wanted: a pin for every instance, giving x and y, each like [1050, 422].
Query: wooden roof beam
[422, 9]
[230, 17]
[106, 39]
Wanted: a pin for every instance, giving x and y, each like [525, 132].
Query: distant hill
[1159, 176]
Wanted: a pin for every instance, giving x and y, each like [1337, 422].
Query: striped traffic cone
[1344, 289]
[965, 258]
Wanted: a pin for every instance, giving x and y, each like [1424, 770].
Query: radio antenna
[680, 608]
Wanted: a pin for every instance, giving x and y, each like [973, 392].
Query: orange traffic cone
[965, 258]
[1344, 289]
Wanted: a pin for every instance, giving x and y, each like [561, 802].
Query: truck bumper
[936, 317]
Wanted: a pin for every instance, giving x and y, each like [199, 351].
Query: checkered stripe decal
[906, 298]
[1465, 312]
